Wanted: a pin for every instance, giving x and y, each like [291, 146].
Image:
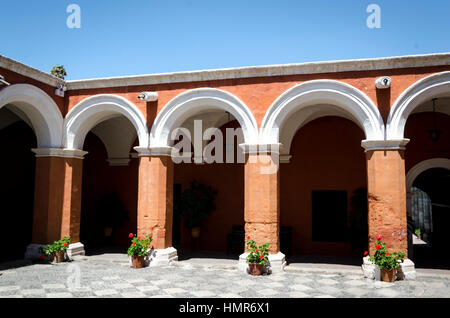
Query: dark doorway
[16, 189]
[436, 184]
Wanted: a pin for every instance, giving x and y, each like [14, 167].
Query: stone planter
[388, 275]
[137, 261]
[255, 269]
[58, 257]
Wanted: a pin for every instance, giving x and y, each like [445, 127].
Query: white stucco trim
[59, 152]
[435, 85]
[40, 109]
[422, 166]
[95, 109]
[398, 144]
[315, 94]
[188, 103]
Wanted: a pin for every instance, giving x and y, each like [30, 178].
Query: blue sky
[147, 36]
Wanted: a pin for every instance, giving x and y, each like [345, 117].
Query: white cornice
[29, 71]
[264, 71]
[396, 62]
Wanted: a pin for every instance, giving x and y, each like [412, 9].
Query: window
[329, 216]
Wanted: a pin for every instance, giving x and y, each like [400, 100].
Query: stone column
[155, 202]
[386, 187]
[57, 199]
[262, 203]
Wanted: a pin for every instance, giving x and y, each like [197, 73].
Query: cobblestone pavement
[118, 280]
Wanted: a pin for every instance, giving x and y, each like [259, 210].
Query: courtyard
[90, 277]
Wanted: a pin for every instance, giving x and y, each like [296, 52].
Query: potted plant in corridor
[387, 262]
[194, 205]
[57, 250]
[257, 257]
[138, 249]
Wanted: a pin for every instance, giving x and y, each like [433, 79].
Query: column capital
[154, 151]
[255, 149]
[59, 152]
[394, 144]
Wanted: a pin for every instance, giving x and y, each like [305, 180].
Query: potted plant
[257, 257]
[194, 205]
[418, 233]
[387, 262]
[138, 249]
[58, 71]
[57, 250]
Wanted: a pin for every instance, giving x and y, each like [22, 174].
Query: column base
[406, 271]
[32, 251]
[160, 257]
[277, 262]
[75, 249]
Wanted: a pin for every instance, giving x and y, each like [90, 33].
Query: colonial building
[351, 137]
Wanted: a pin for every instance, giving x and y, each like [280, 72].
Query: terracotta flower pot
[58, 257]
[388, 275]
[137, 261]
[255, 269]
[195, 232]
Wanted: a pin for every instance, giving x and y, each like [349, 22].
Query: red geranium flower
[387, 254]
[379, 237]
[130, 235]
[65, 244]
[366, 252]
[139, 237]
[257, 249]
[134, 243]
[248, 237]
[378, 246]
[262, 256]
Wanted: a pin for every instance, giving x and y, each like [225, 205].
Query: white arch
[92, 110]
[425, 89]
[188, 103]
[347, 101]
[40, 109]
[422, 166]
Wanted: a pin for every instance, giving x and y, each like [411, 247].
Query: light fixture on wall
[434, 133]
[2, 81]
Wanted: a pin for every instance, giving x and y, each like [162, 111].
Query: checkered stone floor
[96, 279]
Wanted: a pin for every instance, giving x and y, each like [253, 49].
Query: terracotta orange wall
[326, 155]
[421, 147]
[260, 93]
[15, 78]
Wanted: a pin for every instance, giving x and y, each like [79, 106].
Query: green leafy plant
[60, 245]
[195, 204]
[58, 71]
[383, 258]
[257, 254]
[138, 245]
[418, 232]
